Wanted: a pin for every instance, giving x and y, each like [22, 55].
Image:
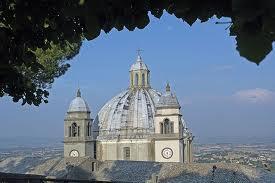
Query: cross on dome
[139, 64]
[139, 56]
[138, 51]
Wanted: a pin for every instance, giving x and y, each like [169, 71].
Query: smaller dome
[78, 104]
[168, 99]
[139, 65]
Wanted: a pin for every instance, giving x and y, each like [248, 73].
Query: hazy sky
[221, 93]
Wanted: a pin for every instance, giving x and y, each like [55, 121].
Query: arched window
[136, 79]
[161, 128]
[78, 130]
[89, 129]
[167, 127]
[171, 127]
[74, 129]
[70, 131]
[143, 79]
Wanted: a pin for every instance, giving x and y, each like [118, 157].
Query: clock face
[167, 153]
[74, 153]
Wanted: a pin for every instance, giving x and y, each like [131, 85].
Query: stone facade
[138, 150]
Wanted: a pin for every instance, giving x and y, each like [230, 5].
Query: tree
[52, 64]
[51, 22]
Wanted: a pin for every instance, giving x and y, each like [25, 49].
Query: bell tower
[170, 142]
[78, 137]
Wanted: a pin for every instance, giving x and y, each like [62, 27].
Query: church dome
[128, 114]
[78, 104]
[139, 65]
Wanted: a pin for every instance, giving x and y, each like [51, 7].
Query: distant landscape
[254, 152]
[27, 142]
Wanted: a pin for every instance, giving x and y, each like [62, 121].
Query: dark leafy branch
[27, 26]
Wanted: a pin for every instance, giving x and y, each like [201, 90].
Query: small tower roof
[139, 65]
[168, 99]
[78, 104]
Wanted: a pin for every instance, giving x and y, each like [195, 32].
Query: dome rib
[106, 110]
[113, 121]
[151, 112]
[129, 113]
[120, 106]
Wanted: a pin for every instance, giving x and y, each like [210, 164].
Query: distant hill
[235, 140]
[28, 142]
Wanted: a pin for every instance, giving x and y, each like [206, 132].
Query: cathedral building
[139, 124]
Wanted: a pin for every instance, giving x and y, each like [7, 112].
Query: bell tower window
[78, 131]
[167, 127]
[89, 129]
[171, 127]
[70, 131]
[161, 128]
[74, 130]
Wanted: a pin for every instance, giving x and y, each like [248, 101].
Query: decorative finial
[138, 51]
[139, 57]
[78, 94]
[168, 89]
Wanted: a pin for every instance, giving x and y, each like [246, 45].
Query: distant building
[138, 124]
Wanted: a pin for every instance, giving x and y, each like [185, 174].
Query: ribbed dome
[139, 65]
[128, 114]
[78, 104]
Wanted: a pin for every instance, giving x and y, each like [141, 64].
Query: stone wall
[140, 149]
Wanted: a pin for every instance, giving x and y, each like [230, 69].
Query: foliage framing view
[27, 26]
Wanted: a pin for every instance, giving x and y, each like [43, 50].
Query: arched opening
[148, 78]
[136, 79]
[143, 79]
[70, 131]
[132, 79]
[171, 127]
[74, 129]
[78, 131]
[161, 128]
[168, 126]
[89, 129]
